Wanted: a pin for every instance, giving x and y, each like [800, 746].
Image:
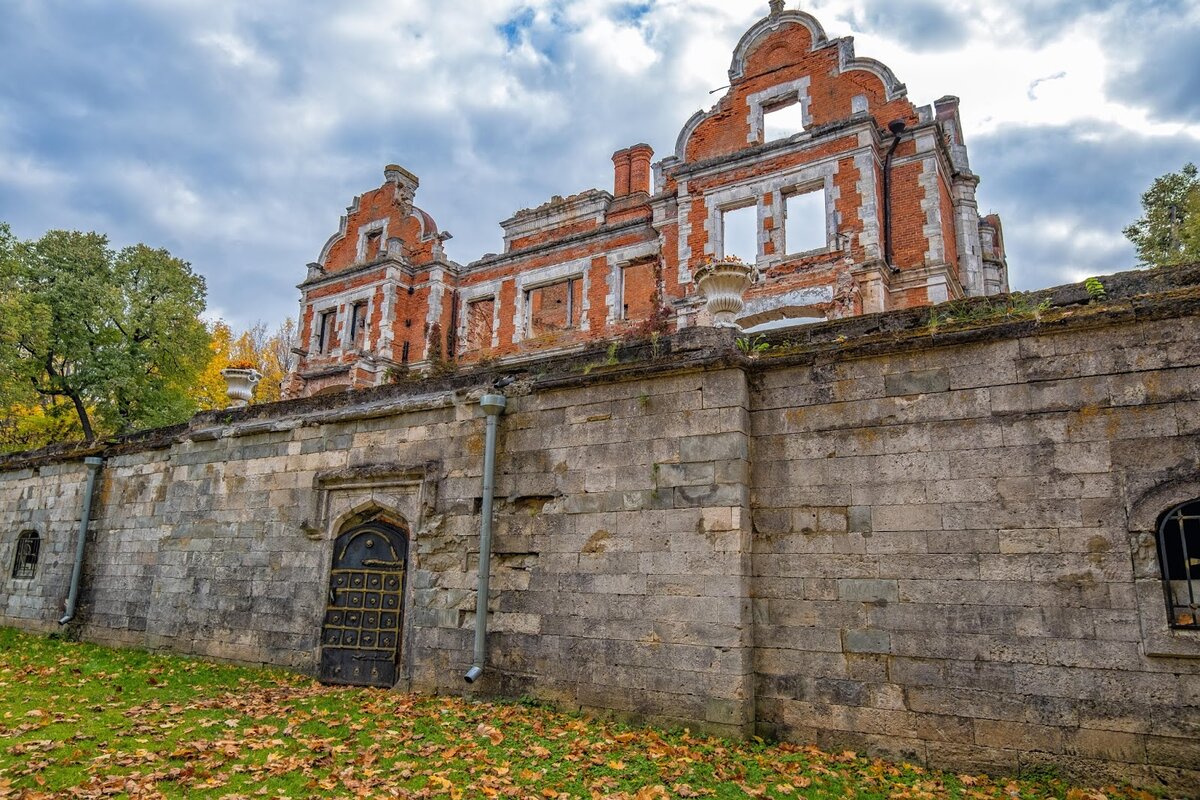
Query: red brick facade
[600, 265]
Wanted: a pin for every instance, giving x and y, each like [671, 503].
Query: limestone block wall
[949, 544]
[621, 551]
[628, 589]
[46, 500]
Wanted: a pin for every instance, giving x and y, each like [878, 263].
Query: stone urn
[723, 283]
[240, 385]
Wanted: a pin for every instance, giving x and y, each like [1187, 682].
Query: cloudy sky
[235, 133]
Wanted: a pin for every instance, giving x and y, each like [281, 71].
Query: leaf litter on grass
[82, 721]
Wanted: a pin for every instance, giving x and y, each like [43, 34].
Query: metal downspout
[897, 127]
[492, 405]
[93, 465]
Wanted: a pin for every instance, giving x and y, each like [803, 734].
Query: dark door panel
[360, 636]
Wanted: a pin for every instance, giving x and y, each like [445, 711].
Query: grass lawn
[77, 720]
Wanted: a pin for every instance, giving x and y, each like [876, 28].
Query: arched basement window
[29, 547]
[1179, 556]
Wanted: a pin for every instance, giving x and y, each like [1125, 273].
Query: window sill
[789, 259]
[1158, 638]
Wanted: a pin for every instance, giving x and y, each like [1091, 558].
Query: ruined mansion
[854, 202]
[939, 523]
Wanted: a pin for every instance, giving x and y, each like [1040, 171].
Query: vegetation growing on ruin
[978, 310]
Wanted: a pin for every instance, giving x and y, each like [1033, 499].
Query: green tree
[116, 335]
[1168, 232]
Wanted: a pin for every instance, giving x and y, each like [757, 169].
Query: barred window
[1179, 557]
[29, 546]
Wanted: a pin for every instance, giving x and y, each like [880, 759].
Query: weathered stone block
[866, 641]
[920, 382]
[868, 591]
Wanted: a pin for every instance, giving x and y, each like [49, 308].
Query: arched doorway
[360, 637]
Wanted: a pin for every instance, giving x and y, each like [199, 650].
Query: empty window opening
[783, 121]
[358, 323]
[639, 290]
[739, 228]
[804, 225]
[29, 547]
[555, 307]
[1179, 556]
[325, 331]
[373, 245]
[480, 314]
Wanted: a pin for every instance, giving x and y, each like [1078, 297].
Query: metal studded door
[360, 638]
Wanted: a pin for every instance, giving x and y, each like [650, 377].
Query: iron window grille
[29, 547]
[1179, 557]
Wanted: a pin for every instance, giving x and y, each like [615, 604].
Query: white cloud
[274, 114]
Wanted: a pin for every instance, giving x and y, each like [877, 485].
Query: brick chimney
[621, 173]
[640, 156]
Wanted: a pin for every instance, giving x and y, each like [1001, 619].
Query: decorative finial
[776, 7]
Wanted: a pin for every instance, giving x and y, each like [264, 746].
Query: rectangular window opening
[480, 314]
[639, 290]
[358, 323]
[555, 307]
[739, 227]
[374, 243]
[783, 121]
[805, 226]
[29, 546]
[325, 331]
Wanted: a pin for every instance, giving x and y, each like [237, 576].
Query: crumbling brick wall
[671, 213]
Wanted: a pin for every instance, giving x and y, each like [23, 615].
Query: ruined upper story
[814, 165]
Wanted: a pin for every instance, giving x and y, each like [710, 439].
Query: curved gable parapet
[688, 129]
[428, 226]
[847, 62]
[341, 232]
[767, 26]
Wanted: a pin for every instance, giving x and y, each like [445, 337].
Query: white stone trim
[437, 289]
[869, 238]
[966, 224]
[546, 276]
[772, 308]
[774, 95]
[368, 228]
[617, 261]
[688, 129]
[383, 344]
[684, 228]
[931, 204]
[488, 290]
[741, 194]
[768, 25]
[343, 224]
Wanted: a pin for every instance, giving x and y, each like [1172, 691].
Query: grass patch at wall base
[78, 720]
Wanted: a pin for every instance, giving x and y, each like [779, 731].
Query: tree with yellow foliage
[269, 353]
